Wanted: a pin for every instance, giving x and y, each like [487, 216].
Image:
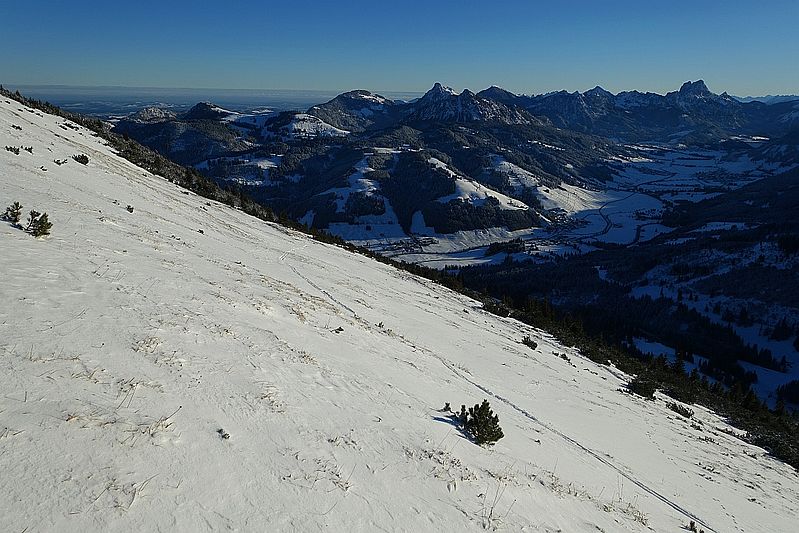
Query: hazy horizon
[332, 93]
[525, 47]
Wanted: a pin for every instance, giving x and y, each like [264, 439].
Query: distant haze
[110, 101]
[523, 46]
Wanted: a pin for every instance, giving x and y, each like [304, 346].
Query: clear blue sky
[525, 46]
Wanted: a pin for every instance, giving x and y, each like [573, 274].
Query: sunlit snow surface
[128, 341]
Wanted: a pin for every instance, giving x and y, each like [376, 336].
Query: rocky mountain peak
[598, 92]
[695, 88]
[439, 91]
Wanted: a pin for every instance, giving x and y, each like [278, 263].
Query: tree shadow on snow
[455, 423]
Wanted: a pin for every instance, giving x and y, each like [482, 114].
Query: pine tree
[782, 331]
[483, 424]
[42, 226]
[779, 408]
[38, 224]
[13, 213]
[33, 218]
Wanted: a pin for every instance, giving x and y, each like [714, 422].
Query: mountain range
[171, 362]
[692, 111]
[357, 161]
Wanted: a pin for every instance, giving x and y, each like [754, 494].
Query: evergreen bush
[13, 213]
[680, 410]
[527, 341]
[642, 387]
[83, 159]
[481, 423]
[38, 224]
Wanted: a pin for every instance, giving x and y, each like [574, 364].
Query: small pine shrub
[38, 224]
[43, 226]
[680, 410]
[483, 424]
[13, 213]
[33, 217]
[642, 387]
[527, 341]
[83, 159]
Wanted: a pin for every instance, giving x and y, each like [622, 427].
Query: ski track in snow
[570, 440]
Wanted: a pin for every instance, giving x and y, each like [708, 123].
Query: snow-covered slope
[132, 342]
[474, 192]
[304, 125]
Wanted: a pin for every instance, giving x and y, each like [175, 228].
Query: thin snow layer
[477, 194]
[304, 125]
[473, 192]
[687, 174]
[369, 227]
[131, 344]
[567, 198]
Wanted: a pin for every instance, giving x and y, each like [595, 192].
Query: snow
[672, 173]
[477, 194]
[712, 227]
[129, 340]
[653, 348]
[376, 98]
[304, 125]
[419, 226]
[564, 197]
[230, 116]
[474, 192]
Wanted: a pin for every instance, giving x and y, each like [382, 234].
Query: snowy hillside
[473, 192]
[305, 125]
[133, 341]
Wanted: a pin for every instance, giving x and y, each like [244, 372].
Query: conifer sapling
[38, 224]
[13, 213]
[483, 424]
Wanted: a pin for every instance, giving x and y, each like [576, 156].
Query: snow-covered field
[674, 173]
[131, 343]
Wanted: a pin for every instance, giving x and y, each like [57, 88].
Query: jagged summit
[440, 90]
[698, 91]
[498, 94]
[598, 92]
[495, 89]
[443, 104]
[695, 88]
